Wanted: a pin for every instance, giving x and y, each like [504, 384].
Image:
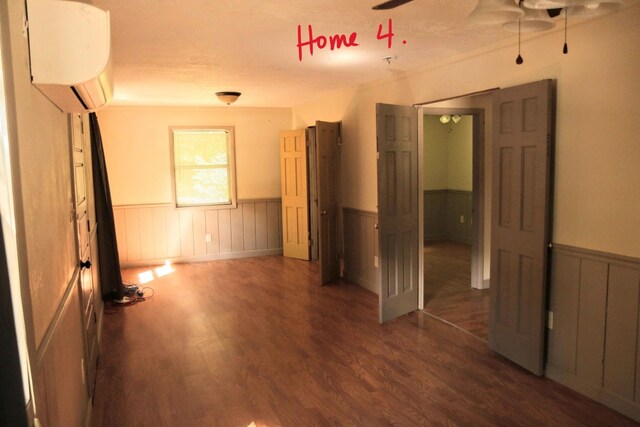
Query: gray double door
[520, 218]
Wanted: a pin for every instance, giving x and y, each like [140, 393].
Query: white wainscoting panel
[152, 234]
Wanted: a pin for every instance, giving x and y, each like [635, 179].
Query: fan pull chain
[519, 59]
[565, 48]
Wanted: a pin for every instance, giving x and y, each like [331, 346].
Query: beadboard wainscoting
[360, 247]
[593, 346]
[152, 234]
[447, 215]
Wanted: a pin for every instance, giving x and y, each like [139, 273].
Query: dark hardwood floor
[228, 343]
[448, 294]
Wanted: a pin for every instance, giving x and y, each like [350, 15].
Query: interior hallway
[448, 293]
[226, 343]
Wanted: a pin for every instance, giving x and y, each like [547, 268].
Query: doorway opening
[453, 239]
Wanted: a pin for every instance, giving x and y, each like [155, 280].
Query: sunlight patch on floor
[150, 275]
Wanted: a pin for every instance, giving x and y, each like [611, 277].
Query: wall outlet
[550, 319]
[461, 219]
[375, 261]
[207, 238]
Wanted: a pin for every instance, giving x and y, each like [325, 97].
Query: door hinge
[339, 139]
[310, 242]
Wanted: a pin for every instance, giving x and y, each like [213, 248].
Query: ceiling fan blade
[554, 12]
[390, 4]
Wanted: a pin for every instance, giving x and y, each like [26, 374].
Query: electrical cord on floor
[133, 295]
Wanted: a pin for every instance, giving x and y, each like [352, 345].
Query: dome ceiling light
[228, 97]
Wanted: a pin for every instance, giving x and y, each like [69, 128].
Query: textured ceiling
[180, 52]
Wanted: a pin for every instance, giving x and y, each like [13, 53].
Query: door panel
[397, 135]
[520, 224]
[313, 192]
[80, 129]
[295, 208]
[328, 157]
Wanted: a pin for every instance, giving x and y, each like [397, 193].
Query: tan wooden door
[80, 137]
[522, 156]
[397, 138]
[328, 160]
[295, 203]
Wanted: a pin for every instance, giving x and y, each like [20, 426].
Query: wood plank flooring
[228, 343]
[448, 293]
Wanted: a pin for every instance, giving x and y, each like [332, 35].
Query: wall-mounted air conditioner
[69, 45]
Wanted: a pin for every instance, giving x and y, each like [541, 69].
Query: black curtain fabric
[109, 261]
[13, 408]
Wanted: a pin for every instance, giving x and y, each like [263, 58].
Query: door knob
[323, 213]
[85, 264]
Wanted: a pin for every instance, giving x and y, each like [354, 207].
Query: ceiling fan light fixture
[228, 97]
[533, 20]
[456, 118]
[445, 118]
[595, 8]
[553, 4]
[489, 12]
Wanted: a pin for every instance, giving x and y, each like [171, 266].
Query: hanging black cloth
[109, 261]
[12, 410]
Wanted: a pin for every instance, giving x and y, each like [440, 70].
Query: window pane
[200, 147]
[202, 186]
[203, 169]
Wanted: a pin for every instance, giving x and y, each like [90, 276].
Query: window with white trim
[204, 169]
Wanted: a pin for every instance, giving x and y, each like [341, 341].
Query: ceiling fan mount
[392, 4]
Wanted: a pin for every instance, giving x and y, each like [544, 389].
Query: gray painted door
[398, 233]
[522, 156]
[328, 158]
[313, 192]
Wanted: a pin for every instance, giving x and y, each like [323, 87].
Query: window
[204, 170]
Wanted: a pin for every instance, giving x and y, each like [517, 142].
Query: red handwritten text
[389, 35]
[335, 41]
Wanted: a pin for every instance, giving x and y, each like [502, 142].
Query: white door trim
[478, 253]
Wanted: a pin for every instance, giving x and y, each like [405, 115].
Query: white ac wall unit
[69, 45]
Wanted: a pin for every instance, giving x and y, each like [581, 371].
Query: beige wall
[448, 154]
[435, 154]
[460, 155]
[597, 196]
[45, 234]
[42, 183]
[137, 149]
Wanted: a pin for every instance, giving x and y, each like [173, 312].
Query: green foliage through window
[202, 166]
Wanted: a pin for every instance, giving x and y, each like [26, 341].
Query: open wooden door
[80, 137]
[522, 158]
[397, 138]
[328, 155]
[295, 207]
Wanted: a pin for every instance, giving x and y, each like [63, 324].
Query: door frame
[478, 194]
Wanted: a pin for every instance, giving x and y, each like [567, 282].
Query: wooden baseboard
[202, 258]
[615, 402]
